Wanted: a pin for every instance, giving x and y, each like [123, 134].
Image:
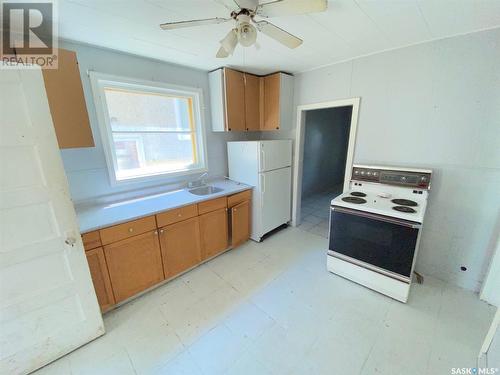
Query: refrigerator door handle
[262, 189]
[262, 160]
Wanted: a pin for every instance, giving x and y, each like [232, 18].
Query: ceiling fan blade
[291, 7]
[247, 4]
[192, 23]
[222, 53]
[279, 35]
[231, 5]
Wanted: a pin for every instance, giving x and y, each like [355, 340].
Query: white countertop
[92, 217]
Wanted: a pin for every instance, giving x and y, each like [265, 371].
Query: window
[149, 130]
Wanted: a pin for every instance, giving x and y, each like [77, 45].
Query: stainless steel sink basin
[205, 190]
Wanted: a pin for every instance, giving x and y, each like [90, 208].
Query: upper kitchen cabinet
[277, 102]
[67, 103]
[246, 102]
[234, 83]
[227, 94]
[253, 109]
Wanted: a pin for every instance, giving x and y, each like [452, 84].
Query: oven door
[381, 243]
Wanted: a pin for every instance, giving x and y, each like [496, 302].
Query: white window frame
[99, 81]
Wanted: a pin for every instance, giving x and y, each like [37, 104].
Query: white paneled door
[48, 306]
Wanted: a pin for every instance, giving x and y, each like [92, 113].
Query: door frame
[299, 148]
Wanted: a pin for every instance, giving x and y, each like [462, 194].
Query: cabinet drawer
[91, 240]
[177, 214]
[235, 199]
[212, 205]
[129, 229]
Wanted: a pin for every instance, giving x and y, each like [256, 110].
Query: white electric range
[375, 227]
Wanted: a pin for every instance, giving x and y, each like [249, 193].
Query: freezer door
[274, 155]
[275, 190]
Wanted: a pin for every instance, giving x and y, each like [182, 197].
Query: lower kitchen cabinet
[100, 278]
[213, 233]
[240, 223]
[134, 264]
[129, 258]
[180, 246]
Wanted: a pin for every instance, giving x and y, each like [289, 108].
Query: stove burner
[354, 200]
[404, 209]
[358, 194]
[404, 202]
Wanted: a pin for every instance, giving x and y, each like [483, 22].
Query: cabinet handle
[161, 231]
[130, 230]
[179, 215]
[235, 209]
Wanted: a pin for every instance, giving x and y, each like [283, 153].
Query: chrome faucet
[198, 181]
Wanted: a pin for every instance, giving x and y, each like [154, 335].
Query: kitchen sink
[205, 190]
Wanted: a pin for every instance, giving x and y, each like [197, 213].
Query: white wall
[490, 291]
[434, 105]
[86, 167]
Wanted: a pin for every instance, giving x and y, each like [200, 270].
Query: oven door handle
[404, 223]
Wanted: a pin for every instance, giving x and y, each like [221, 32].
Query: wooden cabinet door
[213, 233]
[134, 264]
[252, 102]
[235, 100]
[100, 278]
[180, 246]
[240, 223]
[271, 119]
[67, 103]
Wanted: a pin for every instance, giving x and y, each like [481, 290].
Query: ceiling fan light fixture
[247, 34]
[230, 41]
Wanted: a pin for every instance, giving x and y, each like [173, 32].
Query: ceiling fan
[244, 12]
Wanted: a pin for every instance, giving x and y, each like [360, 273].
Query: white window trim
[100, 80]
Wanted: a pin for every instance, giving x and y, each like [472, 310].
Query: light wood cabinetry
[243, 101]
[235, 100]
[177, 214]
[128, 258]
[252, 102]
[128, 229]
[213, 233]
[212, 205]
[234, 199]
[240, 223]
[278, 101]
[271, 102]
[91, 240]
[134, 264]
[180, 246]
[100, 278]
[67, 102]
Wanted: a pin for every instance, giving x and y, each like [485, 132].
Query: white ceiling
[349, 29]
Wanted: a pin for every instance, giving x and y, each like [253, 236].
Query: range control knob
[362, 173]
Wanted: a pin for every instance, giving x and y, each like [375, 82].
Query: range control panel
[419, 180]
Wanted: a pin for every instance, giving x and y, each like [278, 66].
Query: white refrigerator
[266, 165]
